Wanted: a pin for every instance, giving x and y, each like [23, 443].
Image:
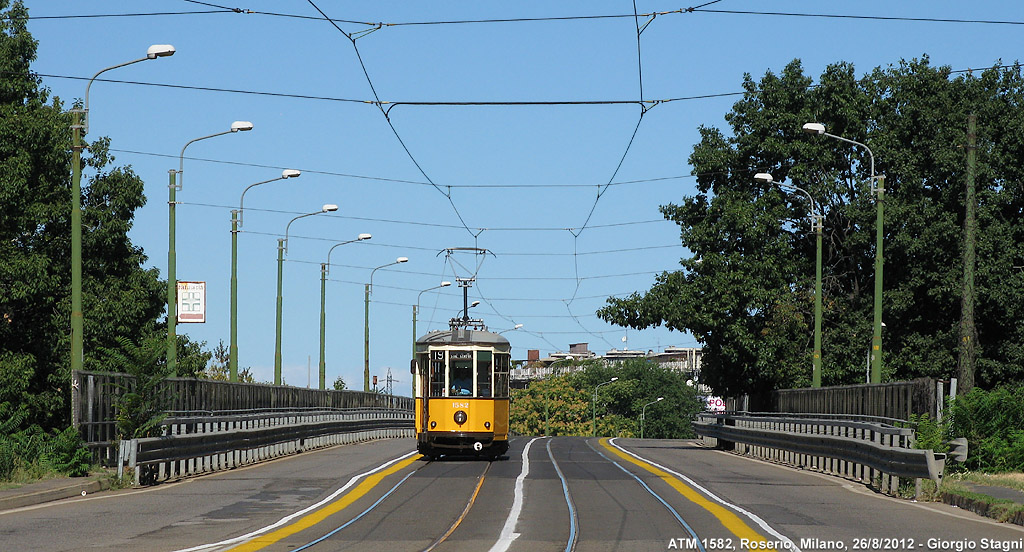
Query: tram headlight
[433, 425]
[487, 425]
[461, 417]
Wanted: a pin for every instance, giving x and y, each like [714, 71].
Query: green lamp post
[415, 310]
[236, 222]
[877, 188]
[816, 226]
[366, 322]
[595, 401]
[80, 127]
[325, 269]
[282, 249]
[643, 414]
[172, 277]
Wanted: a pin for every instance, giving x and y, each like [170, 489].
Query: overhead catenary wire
[585, 225]
[415, 182]
[470, 103]
[415, 223]
[700, 9]
[391, 125]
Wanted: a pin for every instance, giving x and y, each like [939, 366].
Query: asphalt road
[549, 494]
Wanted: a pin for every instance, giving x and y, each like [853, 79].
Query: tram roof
[462, 336]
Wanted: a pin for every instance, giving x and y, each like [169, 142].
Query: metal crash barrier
[207, 443]
[864, 448]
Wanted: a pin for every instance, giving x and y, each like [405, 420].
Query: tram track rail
[441, 539]
[469, 505]
[573, 517]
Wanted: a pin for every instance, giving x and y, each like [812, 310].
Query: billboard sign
[191, 302]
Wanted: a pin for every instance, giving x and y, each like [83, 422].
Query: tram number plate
[460, 404]
[438, 355]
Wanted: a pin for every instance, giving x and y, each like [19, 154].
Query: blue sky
[523, 179]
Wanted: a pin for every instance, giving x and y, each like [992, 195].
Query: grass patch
[954, 491]
[1012, 480]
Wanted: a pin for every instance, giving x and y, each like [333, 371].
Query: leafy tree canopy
[747, 292]
[564, 404]
[121, 300]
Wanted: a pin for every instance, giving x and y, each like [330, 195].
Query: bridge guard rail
[876, 453]
[157, 459]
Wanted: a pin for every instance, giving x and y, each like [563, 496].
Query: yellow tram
[462, 391]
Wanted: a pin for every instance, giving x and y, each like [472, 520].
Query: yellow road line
[312, 519]
[731, 521]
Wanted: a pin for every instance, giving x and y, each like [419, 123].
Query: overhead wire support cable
[104, 15]
[583, 18]
[643, 110]
[384, 112]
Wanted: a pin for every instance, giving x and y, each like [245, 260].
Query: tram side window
[501, 366]
[422, 375]
[483, 373]
[437, 373]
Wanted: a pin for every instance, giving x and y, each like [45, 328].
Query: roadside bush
[993, 423]
[33, 453]
[929, 433]
[66, 453]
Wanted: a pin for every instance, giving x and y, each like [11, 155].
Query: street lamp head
[241, 125]
[402, 260]
[517, 326]
[814, 128]
[474, 303]
[362, 237]
[290, 173]
[614, 379]
[660, 399]
[328, 207]
[159, 50]
[764, 178]
[445, 283]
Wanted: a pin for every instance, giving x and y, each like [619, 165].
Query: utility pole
[968, 332]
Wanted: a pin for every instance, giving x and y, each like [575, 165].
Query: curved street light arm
[856, 143]
[327, 265]
[181, 156]
[85, 129]
[815, 208]
[242, 200]
[289, 225]
[443, 284]
[375, 270]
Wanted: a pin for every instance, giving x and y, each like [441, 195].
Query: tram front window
[461, 377]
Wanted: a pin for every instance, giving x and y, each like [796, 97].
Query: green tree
[121, 300]
[219, 365]
[564, 404]
[339, 384]
[747, 292]
[551, 406]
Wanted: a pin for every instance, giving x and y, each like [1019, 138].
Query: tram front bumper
[460, 440]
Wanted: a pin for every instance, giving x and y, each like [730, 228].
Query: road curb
[48, 495]
[979, 507]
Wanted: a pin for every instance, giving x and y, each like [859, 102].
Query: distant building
[684, 359]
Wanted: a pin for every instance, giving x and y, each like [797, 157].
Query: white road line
[508, 533]
[285, 520]
[762, 523]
